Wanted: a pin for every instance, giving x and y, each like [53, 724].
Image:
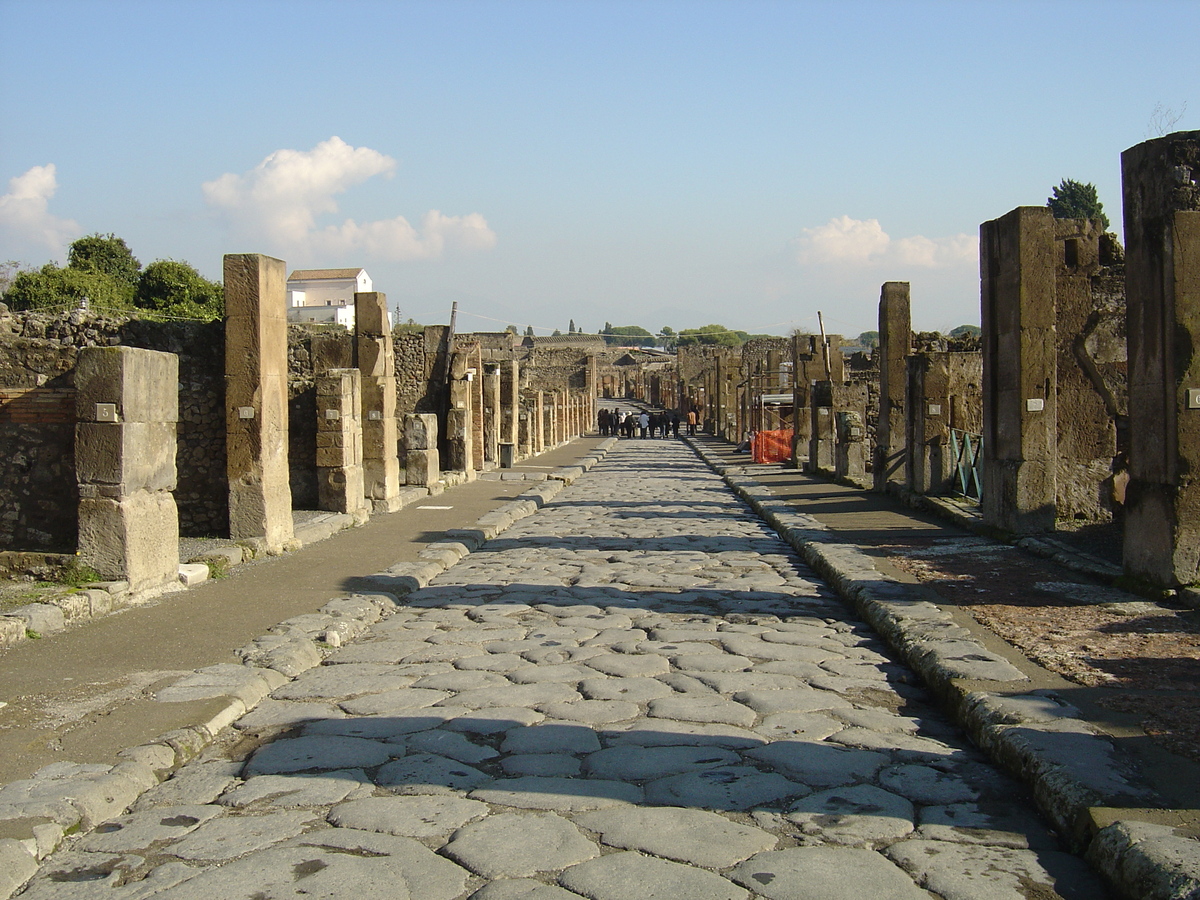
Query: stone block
[138, 456]
[142, 384]
[376, 358]
[420, 431]
[136, 539]
[191, 574]
[44, 618]
[371, 313]
[381, 478]
[340, 489]
[422, 467]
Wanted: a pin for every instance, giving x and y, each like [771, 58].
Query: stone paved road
[638, 692]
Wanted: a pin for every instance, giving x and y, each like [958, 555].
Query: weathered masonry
[124, 434]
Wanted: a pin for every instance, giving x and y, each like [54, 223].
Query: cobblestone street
[637, 692]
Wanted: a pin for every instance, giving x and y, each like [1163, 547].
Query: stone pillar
[1162, 287]
[256, 399]
[127, 404]
[491, 413]
[376, 360]
[510, 401]
[1020, 371]
[822, 432]
[539, 423]
[895, 344]
[850, 431]
[460, 419]
[477, 407]
[927, 416]
[422, 462]
[339, 442]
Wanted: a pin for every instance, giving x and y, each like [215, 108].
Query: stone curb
[67, 798]
[1068, 763]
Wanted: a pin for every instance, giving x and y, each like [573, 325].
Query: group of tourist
[664, 424]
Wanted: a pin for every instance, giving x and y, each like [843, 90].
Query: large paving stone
[666, 732]
[999, 825]
[820, 764]
[685, 835]
[825, 873]
[628, 665]
[633, 690]
[421, 816]
[551, 737]
[971, 872]
[228, 837]
[390, 702]
[858, 816]
[430, 770]
[291, 791]
[451, 744]
[723, 788]
[563, 794]
[317, 751]
[632, 763]
[629, 875]
[522, 889]
[338, 682]
[137, 831]
[703, 709]
[592, 712]
[519, 845]
[528, 695]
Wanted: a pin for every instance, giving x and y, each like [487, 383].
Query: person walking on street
[644, 423]
[692, 420]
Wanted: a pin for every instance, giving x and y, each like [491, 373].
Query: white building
[326, 295]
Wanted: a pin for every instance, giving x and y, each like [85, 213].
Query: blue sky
[653, 163]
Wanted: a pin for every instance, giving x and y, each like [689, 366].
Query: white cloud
[280, 200]
[846, 241]
[25, 218]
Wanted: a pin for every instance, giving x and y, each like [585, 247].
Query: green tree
[571, 327]
[511, 329]
[174, 288]
[711, 335]
[869, 339]
[628, 336]
[1074, 200]
[52, 287]
[528, 331]
[107, 254]
[966, 331]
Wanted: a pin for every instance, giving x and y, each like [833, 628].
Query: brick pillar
[339, 441]
[1162, 289]
[850, 431]
[422, 463]
[895, 344]
[1020, 370]
[491, 413]
[376, 361]
[256, 399]
[539, 423]
[127, 404]
[478, 410]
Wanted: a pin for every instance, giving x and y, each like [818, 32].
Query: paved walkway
[88, 692]
[637, 692]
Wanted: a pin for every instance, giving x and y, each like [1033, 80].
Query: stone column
[127, 404]
[1020, 370]
[927, 414]
[895, 344]
[850, 432]
[422, 463]
[256, 399]
[460, 419]
[822, 434]
[477, 407]
[510, 400]
[1161, 181]
[376, 360]
[339, 442]
[491, 413]
[539, 423]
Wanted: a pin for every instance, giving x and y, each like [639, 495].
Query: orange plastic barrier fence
[772, 446]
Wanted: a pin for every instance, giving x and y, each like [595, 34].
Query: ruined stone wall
[558, 369]
[38, 495]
